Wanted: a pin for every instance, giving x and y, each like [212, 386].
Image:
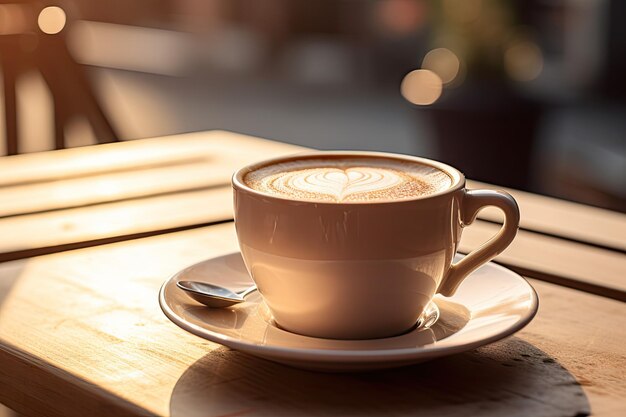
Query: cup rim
[457, 177]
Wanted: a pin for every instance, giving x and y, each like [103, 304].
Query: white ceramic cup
[359, 270]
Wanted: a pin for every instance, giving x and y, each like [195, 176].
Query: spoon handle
[247, 291]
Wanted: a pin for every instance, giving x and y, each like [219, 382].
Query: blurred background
[526, 94]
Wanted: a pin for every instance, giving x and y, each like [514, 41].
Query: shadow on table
[511, 377]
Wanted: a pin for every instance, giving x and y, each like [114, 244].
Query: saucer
[492, 303]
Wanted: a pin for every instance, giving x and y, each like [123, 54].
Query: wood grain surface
[564, 262]
[85, 197]
[543, 257]
[199, 161]
[564, 219]
[105, 223]
[81, 333]
[135, 170]
[175, 150]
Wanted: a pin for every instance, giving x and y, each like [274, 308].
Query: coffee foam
[348, 179]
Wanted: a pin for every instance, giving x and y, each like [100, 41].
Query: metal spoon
[212, 295]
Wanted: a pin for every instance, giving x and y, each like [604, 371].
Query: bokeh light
[523, 61]
[421, 87]
[51, 20]
[442, 62]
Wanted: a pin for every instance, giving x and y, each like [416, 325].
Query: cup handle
[473, 202]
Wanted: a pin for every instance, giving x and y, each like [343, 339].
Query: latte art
[348, 180]
[336, 183]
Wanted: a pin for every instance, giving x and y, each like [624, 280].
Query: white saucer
[492, 303]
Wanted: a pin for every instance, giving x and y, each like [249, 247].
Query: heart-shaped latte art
[337, 183]
[347, 180]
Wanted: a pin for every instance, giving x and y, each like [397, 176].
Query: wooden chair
[24, 46]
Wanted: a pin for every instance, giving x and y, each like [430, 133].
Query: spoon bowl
[212, 295]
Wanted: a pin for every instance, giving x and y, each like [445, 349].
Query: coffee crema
[349, 179]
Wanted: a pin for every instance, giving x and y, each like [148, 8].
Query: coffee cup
[354, 245]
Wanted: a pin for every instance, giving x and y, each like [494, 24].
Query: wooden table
[88, 235]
